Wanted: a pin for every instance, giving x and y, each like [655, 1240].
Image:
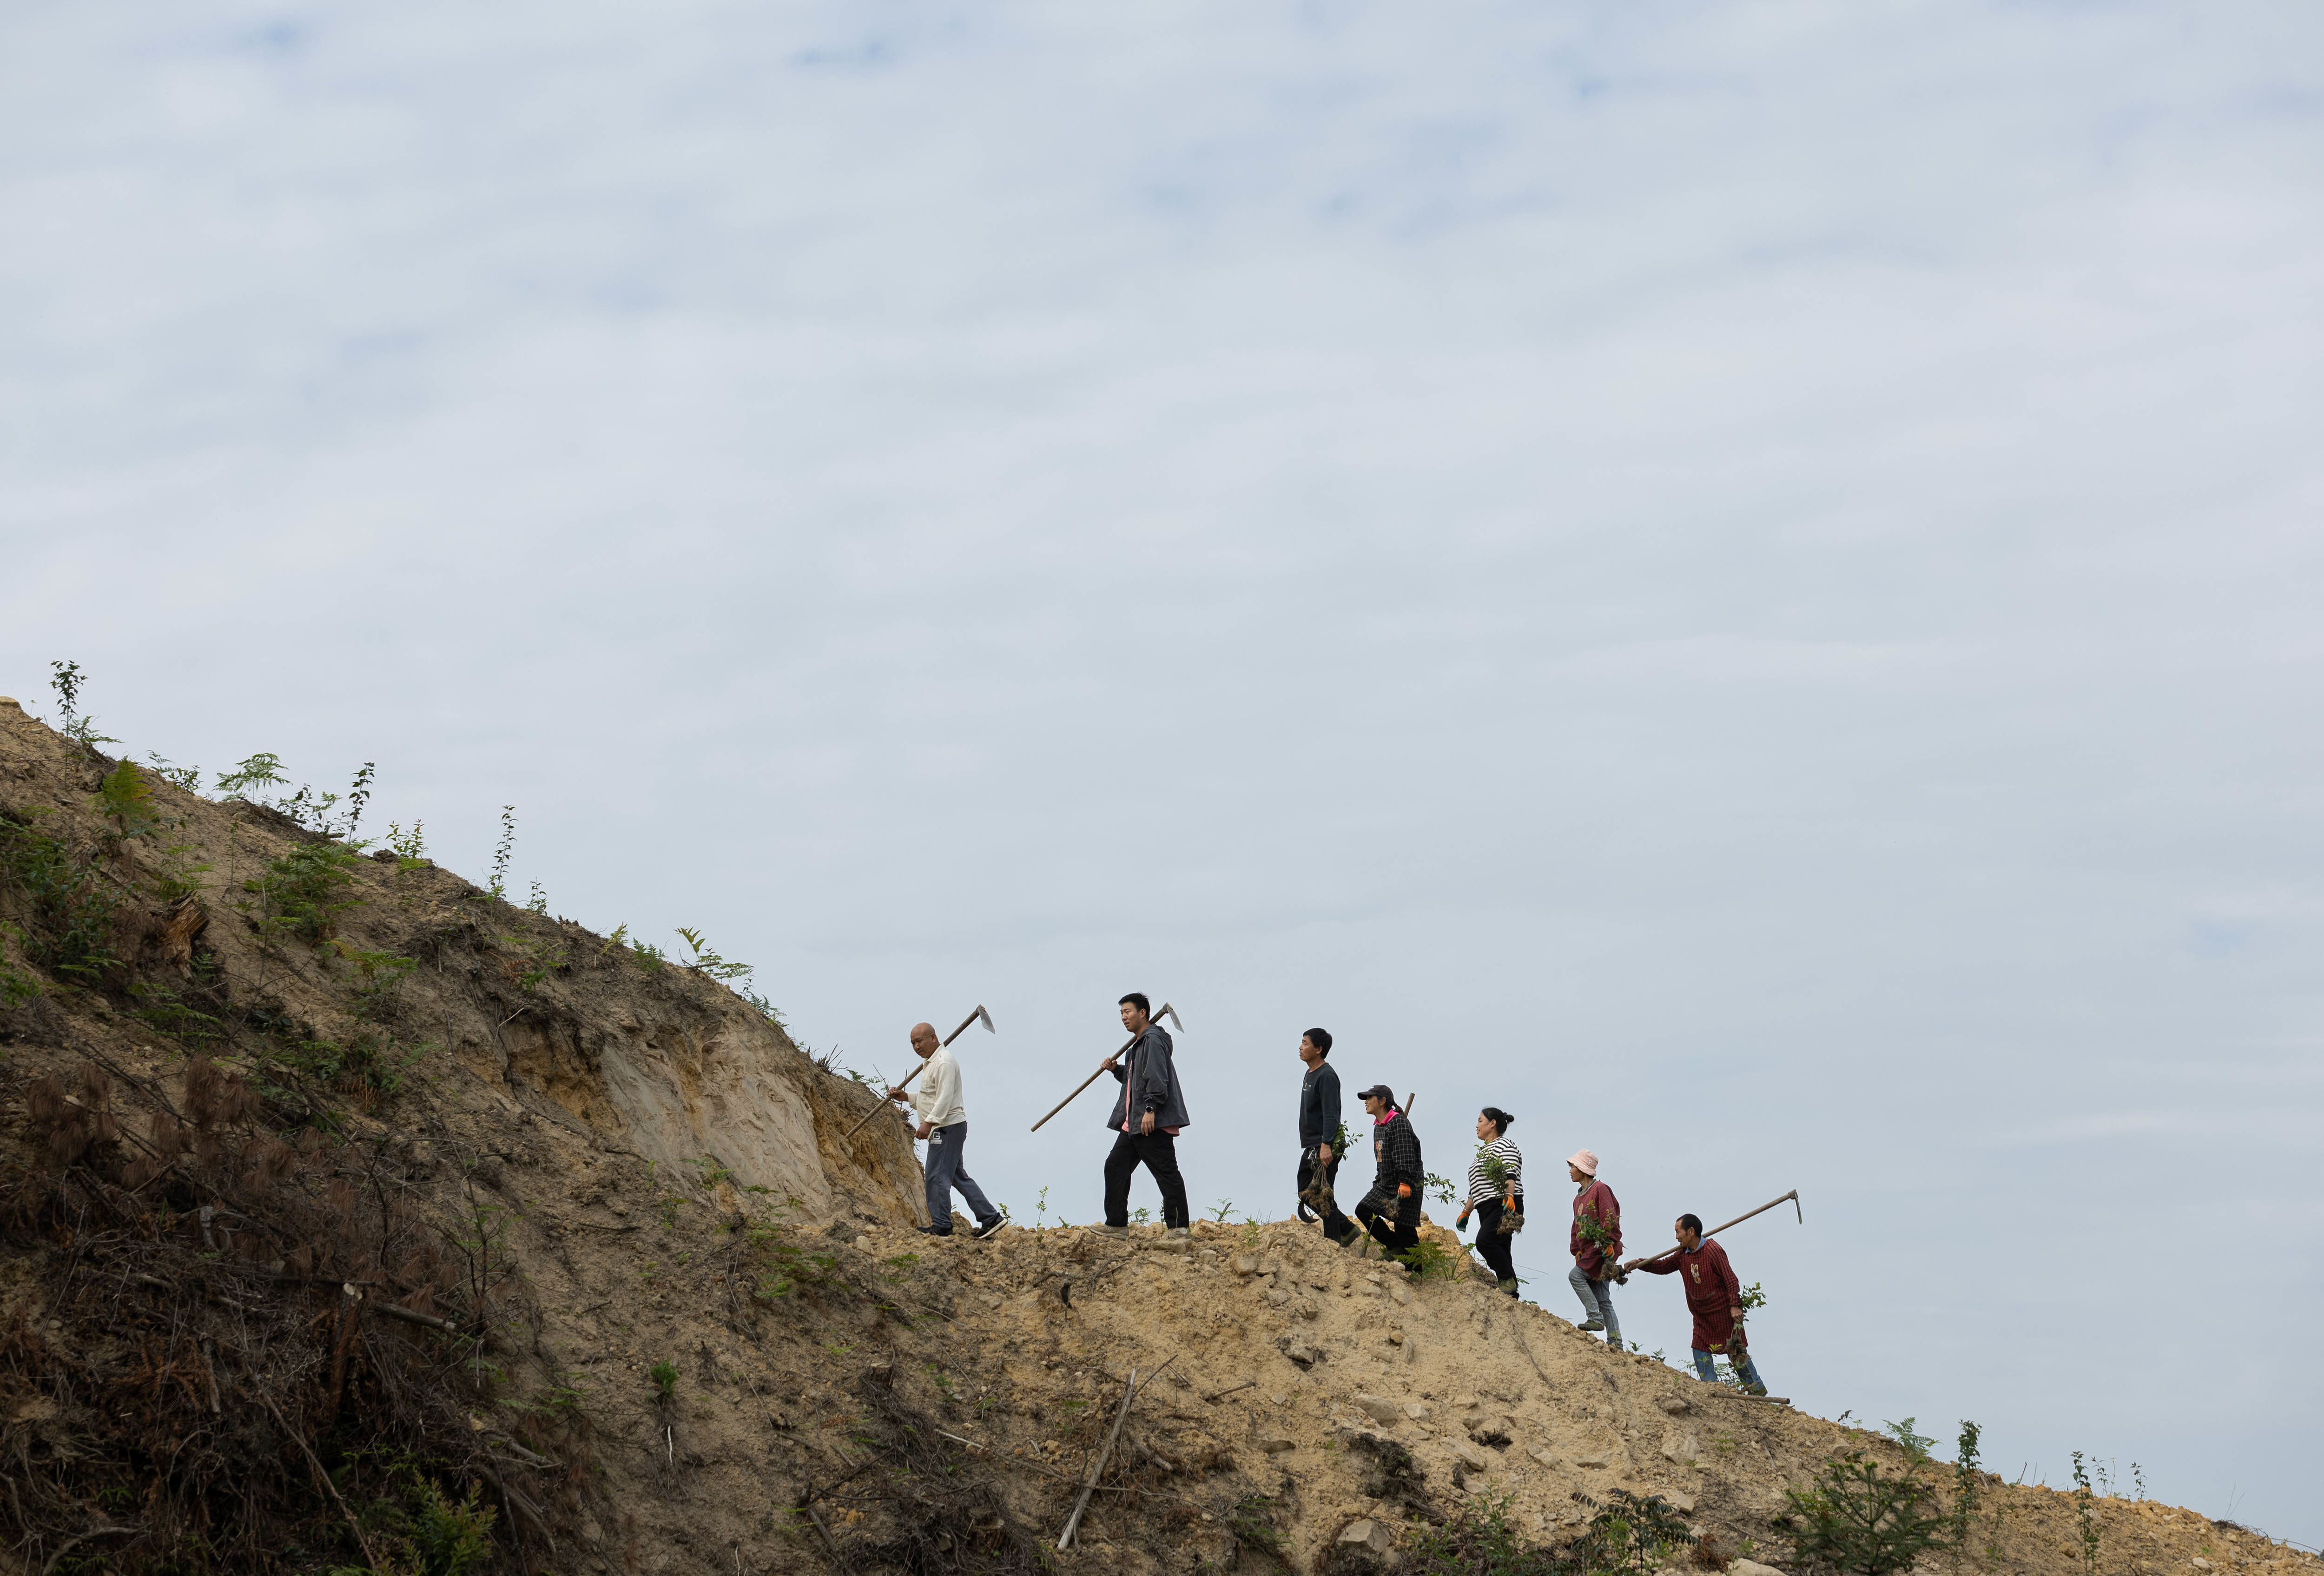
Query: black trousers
[1491, 1241]
[1393, 1222]
[1158, 1151]
[1336, 1226]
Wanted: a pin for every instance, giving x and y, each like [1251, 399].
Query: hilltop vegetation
[356, 1218]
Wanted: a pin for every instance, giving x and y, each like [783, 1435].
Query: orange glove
[1404, 1190]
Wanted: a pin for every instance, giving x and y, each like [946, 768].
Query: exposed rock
[1379, 1408]
[1365, 1535]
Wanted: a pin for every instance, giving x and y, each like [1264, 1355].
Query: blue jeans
[1598, 1298]
[1740, 1356]
[945, 1173]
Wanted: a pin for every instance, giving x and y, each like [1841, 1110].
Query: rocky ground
[314, 1218]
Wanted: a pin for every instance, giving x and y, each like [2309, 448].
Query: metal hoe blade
[1167, 1011]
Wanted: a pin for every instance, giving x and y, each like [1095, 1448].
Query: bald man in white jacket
[944, 1123]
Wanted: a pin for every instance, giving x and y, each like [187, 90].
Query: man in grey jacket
[1145, 1120]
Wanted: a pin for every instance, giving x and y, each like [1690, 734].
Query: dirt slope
[302, 1243]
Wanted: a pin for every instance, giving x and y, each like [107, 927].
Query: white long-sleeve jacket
[936, 1098]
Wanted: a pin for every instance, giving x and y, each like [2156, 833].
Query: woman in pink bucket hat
[1596, 1244]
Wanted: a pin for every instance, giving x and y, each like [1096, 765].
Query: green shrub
[1628, 1535]
[1480, 1542]
[175, 874]
[382, 976]
[73, 905]
[1625, 1537]
[172, 1015]
[664, 1374]
[301, 894]
[783, 1267]
[125, 799]
[430, 1533]
[451, 1536]
[369, 1068]
[67, 682]
[262, 770]
[1859, 1518]
[1253, 1524]
[16, 986]
[2086, 1519]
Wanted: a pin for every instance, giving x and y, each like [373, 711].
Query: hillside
[356, 1217]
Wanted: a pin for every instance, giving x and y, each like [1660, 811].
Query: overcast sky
[1742, 581]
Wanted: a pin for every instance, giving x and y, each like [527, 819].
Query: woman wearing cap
[1497, 1194]
[1390, 1212]
[1596, 1244]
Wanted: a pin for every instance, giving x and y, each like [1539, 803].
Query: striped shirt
[1480, 1187]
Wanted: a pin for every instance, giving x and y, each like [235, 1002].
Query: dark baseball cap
[1382, 1090]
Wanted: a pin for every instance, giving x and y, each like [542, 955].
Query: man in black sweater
[1320, 1135]
[1390, 1212]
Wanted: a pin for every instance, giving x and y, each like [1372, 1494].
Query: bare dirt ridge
[316, 1221]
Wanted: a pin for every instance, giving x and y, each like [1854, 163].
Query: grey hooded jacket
[1149, 1065]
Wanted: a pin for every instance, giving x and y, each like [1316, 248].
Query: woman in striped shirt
[1497, 1194]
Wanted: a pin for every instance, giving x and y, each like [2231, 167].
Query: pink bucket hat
[1584, 1161]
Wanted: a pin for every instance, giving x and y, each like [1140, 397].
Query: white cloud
[1740, 582]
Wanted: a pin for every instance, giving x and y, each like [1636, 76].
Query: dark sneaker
[989, 1227]
[1511, 1286]
[1590, 1324]
[935, 1230]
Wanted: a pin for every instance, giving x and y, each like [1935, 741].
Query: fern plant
[125, 799]
[706, 961]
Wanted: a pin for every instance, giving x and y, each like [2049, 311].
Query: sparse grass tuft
[1428, 1260]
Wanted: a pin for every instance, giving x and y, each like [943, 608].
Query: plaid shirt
[1395, 1149]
